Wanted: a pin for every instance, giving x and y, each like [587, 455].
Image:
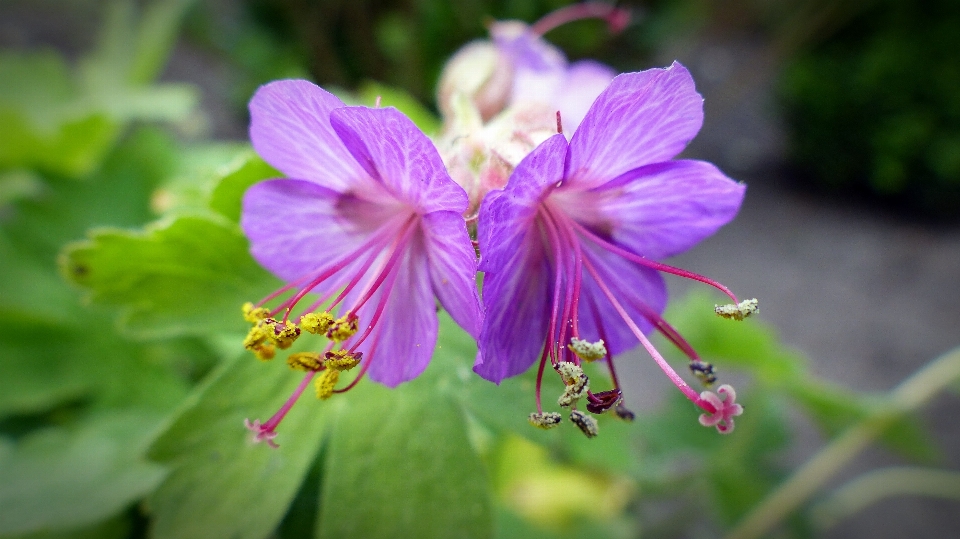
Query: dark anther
[623, 413]
[703, 371]
[599, 403]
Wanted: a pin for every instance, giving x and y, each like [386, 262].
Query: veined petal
[392, 150]
[296, 227]
[659, 210]
[584, 82]
[516, 303]
[639, 290]
[406, 333]
[290, 129]
[641, 118]
[506, 216]
[453, 268]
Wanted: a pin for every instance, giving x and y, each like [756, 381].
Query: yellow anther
[576, 382]
[305, 361]
[545, 420]
[255, 338]
[254, 314]
[571, 373]
[316, 323]
[587, 425]
[326, 382]
[739, 311]
[341, 360]
[265, 352]
[283, 334]
[343, 328]
[586, 350]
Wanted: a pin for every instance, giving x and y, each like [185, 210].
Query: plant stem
[912, 393]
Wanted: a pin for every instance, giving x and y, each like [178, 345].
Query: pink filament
[615, 17]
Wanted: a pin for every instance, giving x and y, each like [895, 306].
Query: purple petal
[660, 210]
[516, 304]
[639, 290]
[453, 268]
[641, 118]
[406, 333]
[296, 227]
[518, 280]
[392, 150]
[584, 82]
[507, 215]
[538, 67]
[290, 128]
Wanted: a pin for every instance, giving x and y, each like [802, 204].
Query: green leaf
[115, 528]
[222, 485]
[187, 275]
[239, 175]
[908, 436]
[63, 478]
[396, 458]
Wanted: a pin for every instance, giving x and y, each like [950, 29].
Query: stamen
[305, 361]
[341, 360]
[599, 403]
[545, 420]
[254, 314]
[316, 323]
[576, 382]
[586, 350]
[704, 372]
[739, 311]
[587, 425]
[650, 263]
[326, 382]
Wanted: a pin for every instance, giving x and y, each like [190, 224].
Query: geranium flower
[369, 221]
[570, 247]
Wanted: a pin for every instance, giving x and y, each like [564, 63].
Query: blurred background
[843, 118]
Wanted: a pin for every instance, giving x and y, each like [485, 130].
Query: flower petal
[296, 227]
[453, 268]
[507, 215]
[290, 129]
[641, 118]
[394, 151]
[518, 279]
[660, 210]
[406, 333]
[583, 83]
[639, 290]
[538, 67]
[516, 304]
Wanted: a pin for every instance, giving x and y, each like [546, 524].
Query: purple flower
[370, 222]
[569, 247]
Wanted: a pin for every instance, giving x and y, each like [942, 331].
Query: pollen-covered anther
[739, 311]
[586, 350]
[576, 382]
[326, 382]
[283, 334]
[341, 360]
[598, 403]
[255, 338]
[587, 425]
[316, 323]
[265, 352]
[254, 314]
[343, 328]
[305, 361]
[704, 372]
[545, 420]
[623, 413]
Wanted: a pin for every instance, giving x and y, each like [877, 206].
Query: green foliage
[62, 478]
[874, 108]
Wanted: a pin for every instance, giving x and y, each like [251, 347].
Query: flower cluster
[370, 224]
